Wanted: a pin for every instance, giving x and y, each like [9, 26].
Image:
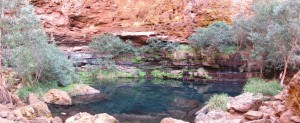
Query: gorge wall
[73, 22]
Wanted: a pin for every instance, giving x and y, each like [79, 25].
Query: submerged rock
[59, 97]
[89, 98]
[185, 104]
[84, 117]
[172, 120]
[244, 103]
[83, 90]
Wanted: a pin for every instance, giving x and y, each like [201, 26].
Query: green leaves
[27, 48]
[109, 44]
[216, 36]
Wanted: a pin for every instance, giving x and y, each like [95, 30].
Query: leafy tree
[111, 46]
[27, 49]
[216, 36]
[155, 45]
[5, 96]
[284, 32]
[259, 23]
[274, 32]
[108, 47]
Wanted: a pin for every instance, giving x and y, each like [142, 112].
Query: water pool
[147, 101]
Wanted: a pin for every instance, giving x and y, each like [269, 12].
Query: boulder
[80, 90]
[172, 120]
[59, 97]
[56, 120]
[286, 117]
[39, 120]
[244, 102]
[280, 96]
[215, 116]
[295, 119]
[253, 115]
[4, 114]
[279, 109]
[2, 120]
[38, 109]
[104, 118]
[84, 117]
[32, 98]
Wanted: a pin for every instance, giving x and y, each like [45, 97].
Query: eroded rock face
[292, 100]
[73, 22]
[59, 97]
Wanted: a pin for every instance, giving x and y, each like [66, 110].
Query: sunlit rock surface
[293, 101]
[75, 21]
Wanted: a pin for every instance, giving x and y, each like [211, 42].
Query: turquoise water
[147, 101]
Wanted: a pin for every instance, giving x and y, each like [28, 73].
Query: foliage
[111, 45]
[216, 36]
[155, 46]
[110, 74]
[105, 63]
[273, 31]
[257, 85]
[218, 102]
[41, 88]
[157, 74]
[137, 60]
[27, 48]
[187, 48]
[161, 74]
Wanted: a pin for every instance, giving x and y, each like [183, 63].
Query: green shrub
[155, 46]
[218, 102]
[137, 60]
[257, 85]
[111, 74]
[111, 45]
[39, 89]
[27, 48]
[141, 73]
[161, 74]
[157, 74]
[216, 36]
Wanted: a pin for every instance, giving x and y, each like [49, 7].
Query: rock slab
[59, 97]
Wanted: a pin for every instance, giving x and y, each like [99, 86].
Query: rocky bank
[250, 108]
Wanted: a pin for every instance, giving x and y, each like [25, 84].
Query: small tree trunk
[284, 72]
[261, 67]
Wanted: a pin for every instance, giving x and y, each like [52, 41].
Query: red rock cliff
[75, 21]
